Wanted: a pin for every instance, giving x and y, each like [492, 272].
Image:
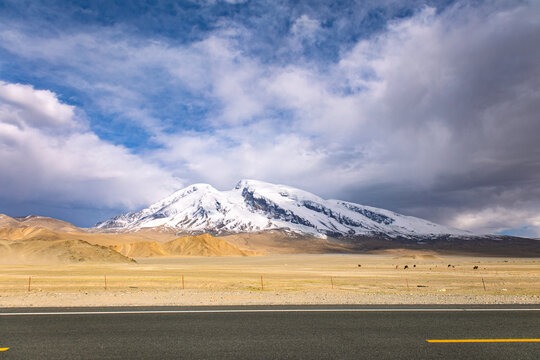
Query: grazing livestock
[406, 267]
[475, 267]
[359, 265]
[414, 265]
[449, 265]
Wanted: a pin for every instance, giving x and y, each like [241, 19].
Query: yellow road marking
[4, 349]
[482, 340]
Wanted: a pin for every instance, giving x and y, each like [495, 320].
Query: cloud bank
[49, 156]
[430, 112]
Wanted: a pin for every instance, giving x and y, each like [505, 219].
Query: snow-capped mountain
[254, 206]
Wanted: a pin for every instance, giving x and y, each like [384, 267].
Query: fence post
[262, 284]
[29, 281]
[105, 277]
[183, 282]
[332, 281]
[483, 283]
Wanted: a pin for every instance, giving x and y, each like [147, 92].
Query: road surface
[281, 332]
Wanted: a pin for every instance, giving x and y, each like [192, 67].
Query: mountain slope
[48, 223]
[32, 240]
[38, 221]
[39, 251]
[199, 245]
[254, 206]
[7, 221]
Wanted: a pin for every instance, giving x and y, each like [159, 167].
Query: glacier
[254, 206]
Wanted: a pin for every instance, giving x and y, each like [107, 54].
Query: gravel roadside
[194, 297]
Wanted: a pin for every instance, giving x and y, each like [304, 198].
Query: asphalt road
[273, 333]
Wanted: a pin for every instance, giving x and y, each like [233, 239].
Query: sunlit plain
[274, 278]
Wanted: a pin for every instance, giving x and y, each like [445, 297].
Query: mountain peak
[254, 183]
[255, 205]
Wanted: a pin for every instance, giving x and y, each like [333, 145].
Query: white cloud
[222, 161]
[441, 103]
[497, 219]
[304, 30]
[23, 105]
[67, 164]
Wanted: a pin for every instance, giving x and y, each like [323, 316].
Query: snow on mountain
[255, 206]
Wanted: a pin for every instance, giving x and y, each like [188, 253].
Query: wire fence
[268, 282]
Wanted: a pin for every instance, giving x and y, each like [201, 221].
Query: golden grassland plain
[286, 279]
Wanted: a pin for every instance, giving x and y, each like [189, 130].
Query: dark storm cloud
[476, 79]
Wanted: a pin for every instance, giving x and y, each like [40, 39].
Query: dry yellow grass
[305, 278]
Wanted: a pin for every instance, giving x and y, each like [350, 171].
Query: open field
[287, 279]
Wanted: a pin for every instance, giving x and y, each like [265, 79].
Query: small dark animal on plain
[406, 267]
[475, 267]
[449, 265]
[414, 265]
[359, 265]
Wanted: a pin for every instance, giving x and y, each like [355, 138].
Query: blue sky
[429, 108]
